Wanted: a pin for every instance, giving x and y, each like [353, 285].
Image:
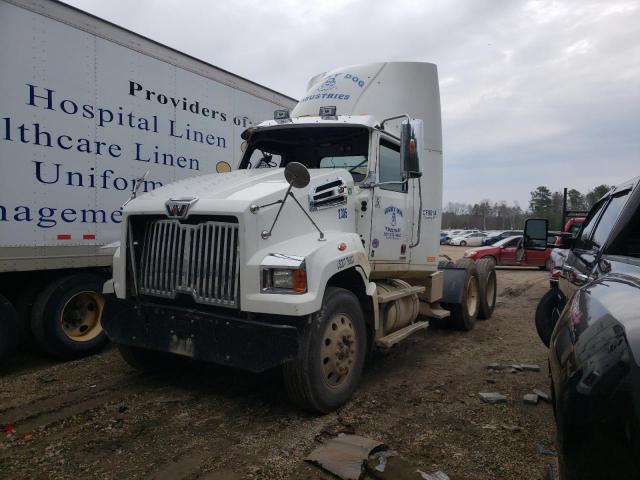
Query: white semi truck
[85, 108]
[323, 245]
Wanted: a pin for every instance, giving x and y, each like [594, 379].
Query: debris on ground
[512, 428]
[439, 475]
[547, 451]
[530, 398]
[542, 394]
[387, 465]
[344, 455]
[530, 368]
[492, 397]
[8, 428]
[28, 437]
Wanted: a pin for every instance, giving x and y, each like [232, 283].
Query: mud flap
[453, 284]
[211, 337]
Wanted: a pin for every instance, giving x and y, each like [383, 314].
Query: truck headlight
[282, 273]
[284, 280]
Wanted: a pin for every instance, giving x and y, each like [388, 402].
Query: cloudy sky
[533, 92]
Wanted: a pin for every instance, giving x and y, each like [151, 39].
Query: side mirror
[410, 143]
[297, 175]
[535, 233]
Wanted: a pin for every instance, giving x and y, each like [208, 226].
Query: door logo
[179, 207]
[393, 227]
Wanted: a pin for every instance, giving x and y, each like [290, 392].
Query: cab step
[390, 340]
[433, 311]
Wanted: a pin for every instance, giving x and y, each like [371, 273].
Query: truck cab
[322, 246]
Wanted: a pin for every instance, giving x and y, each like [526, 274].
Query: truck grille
[200, 260]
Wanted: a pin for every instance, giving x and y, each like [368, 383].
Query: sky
[532, 92]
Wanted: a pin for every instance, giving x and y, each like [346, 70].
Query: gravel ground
[98, 417]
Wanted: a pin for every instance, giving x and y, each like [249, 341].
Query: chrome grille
[201, 260]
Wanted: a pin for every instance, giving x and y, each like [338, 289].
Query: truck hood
[231, 192]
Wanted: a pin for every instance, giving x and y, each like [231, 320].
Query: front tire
[463, 243]
[547, 315]
[66, 316]
[333, 348]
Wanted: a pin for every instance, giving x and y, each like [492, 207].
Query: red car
[509, 252]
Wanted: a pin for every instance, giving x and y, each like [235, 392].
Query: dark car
[492, 239]
[593, 314]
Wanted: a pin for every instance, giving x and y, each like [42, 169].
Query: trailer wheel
[332, 354]
[9, 328]
[24, 306]
[487, 287]
[66, 316]
[465, 313]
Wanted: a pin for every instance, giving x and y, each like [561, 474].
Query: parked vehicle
[87, 107]
[509, 252]
[468, 239]
[573, 225]
[589, 319]
[491, 239]
[320, 248]
[444, 238]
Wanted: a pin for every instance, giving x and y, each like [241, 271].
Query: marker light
[328, 112]
[281, 114]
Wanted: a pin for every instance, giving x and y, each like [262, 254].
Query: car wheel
[547, 315]
[333, 348]
[463, 243]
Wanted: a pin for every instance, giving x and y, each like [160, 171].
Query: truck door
[391, 223]
[508, 252]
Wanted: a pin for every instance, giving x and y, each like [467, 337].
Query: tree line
[543, 203]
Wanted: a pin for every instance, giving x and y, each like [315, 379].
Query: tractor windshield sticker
[393, 228]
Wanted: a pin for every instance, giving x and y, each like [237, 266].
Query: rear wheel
[465, 313]
[9, 328]
[66, 316]
[487, 287]
[463, 243]
[332, 353]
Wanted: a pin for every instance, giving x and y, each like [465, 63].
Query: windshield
[504, 241]
[314, 147]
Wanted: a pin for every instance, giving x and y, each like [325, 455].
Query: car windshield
[504, 241]
[314, 147]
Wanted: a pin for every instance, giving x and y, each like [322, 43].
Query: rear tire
[66, 316]
[9, 328]
[465, 313]
[487, 287]
[333, 348]
[547, 315]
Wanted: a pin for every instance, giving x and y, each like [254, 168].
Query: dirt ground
[98, 418]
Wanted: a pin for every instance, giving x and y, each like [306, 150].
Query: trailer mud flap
[225, 340]
[453, 284]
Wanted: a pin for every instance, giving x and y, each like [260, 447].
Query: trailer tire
[333, 342]
[66, 315]
[487, 287]
[24, 306]
[9, 328]
[465, 313]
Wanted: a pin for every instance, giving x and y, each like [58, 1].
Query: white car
[470, 239]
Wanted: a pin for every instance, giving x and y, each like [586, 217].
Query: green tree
[575, 200]
[596, 194]
[540, 204]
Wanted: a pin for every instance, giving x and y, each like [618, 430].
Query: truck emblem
[179, 207]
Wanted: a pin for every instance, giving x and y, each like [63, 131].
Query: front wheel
[463, 243]
[547, 315]
[333, 348]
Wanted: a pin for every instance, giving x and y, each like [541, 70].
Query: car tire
[463, 243]
[9, 328]
[465, 313]
[65, 318]
[547, 315]
[331, 357]
[487, 287]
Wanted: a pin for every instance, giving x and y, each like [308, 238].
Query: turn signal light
[299, 280]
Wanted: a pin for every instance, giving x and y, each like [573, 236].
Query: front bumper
[212, 337]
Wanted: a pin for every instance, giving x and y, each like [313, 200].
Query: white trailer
[307, 267]
[85, 108]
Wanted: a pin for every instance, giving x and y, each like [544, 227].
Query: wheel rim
[80, 318]
[491, 289]
[472, 296]
[338, 351]
[463, 244]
